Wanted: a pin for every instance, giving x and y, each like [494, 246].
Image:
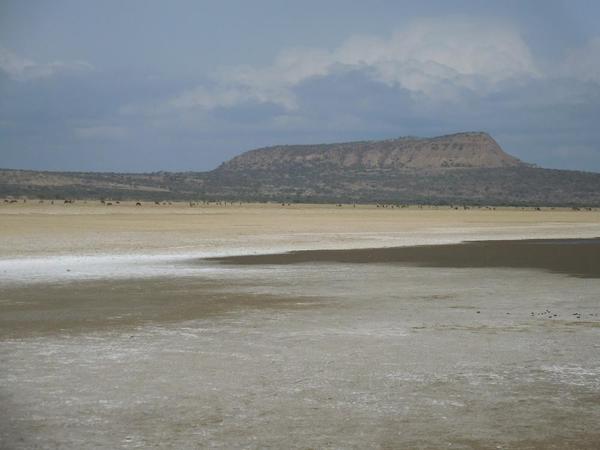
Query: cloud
[23, 69]
[435, 58]
[471, 53]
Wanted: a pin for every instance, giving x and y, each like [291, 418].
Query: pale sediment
[442, 346]
[49, 243]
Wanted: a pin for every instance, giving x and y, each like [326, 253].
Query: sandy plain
[117, 332]
[34, 229]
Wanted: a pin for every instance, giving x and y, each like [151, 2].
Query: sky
[143, 85]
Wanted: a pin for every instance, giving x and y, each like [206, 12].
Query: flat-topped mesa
[465, 150]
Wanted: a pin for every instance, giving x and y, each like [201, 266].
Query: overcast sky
[184, 85]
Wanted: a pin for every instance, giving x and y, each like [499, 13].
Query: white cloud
[469, 53]
[435, 57]
[23, 69]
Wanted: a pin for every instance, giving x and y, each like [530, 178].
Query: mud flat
[146, 341]
[577, 257]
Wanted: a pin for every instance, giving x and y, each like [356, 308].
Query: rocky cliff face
[462, 150]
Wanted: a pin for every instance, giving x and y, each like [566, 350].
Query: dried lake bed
[118, 331]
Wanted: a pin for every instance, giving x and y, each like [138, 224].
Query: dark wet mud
[575, 257]
[103, 305]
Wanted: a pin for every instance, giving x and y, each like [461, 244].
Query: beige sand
[33, 229]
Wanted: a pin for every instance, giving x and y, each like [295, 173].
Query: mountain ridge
[460, 168]
[464, 150]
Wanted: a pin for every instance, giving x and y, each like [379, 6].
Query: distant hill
[459, 168]
[462, 150]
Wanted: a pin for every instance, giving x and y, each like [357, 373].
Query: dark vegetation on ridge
[461, 168]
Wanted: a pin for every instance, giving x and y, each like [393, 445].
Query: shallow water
[577, 257]
[328, 355]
